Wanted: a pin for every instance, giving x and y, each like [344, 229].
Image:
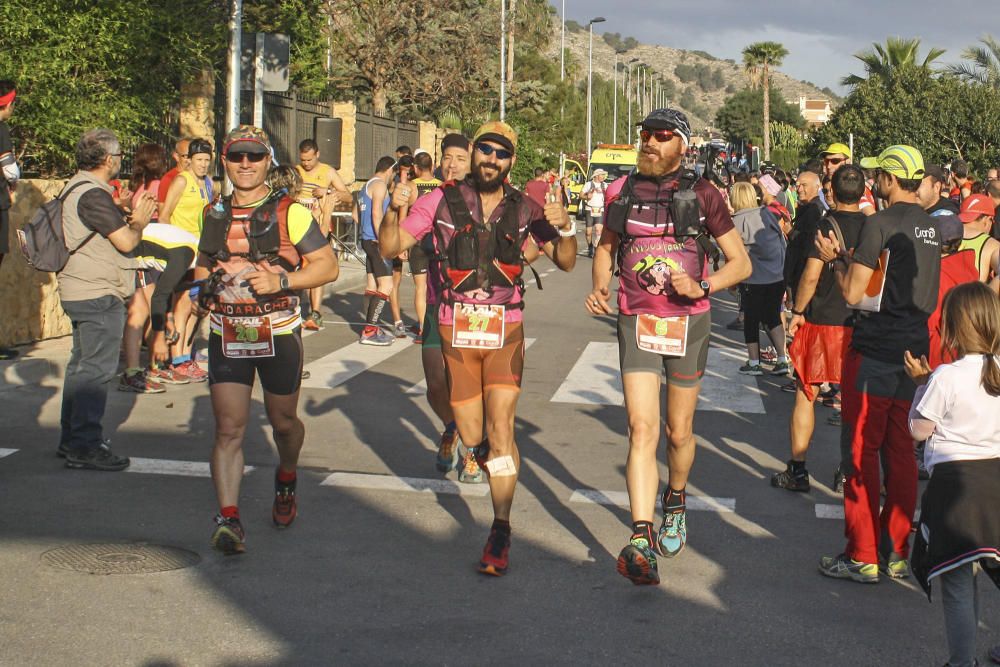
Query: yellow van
[616, 159]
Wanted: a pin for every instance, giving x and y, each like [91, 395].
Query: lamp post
[628, 97]
[562, 44]
[503, 59]
[590, 81]
[614, 91]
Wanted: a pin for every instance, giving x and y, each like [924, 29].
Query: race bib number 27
[478, 327]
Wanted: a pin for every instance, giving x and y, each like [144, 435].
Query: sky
[821, 42]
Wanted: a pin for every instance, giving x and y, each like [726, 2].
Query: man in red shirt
[181, 163]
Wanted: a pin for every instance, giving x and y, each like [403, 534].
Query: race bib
[247, 337]
[666, 336]
[478, 327]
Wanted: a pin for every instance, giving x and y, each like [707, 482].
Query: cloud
[821, 42]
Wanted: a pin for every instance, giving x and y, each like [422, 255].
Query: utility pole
[503, 59]
[233, 89]
[590, 83]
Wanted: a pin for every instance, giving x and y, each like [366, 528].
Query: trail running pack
[685, 213]
[43, 239]
[467, 263]
[263, 231]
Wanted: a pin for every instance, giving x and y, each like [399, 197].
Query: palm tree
[883, 62]
[984, 67]
[758, 59]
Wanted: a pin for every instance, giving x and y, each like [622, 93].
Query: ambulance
[616, 159]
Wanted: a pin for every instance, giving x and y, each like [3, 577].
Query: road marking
[356, 480]
[620, 499]
[7, 452]
[420, 388]
[167, 467]
[349, 361]
[837, 512]
[595, 379]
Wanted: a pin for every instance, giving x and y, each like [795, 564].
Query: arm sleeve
[303, 231]
[869, 245]
[178, 261]
[98, 212]
[420, 219]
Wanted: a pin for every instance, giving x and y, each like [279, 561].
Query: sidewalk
[43, 362]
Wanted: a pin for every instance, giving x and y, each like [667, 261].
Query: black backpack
[43, 239]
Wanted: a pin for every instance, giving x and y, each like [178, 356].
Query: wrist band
[569, 232]
[800, 313]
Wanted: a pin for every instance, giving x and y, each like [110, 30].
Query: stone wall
[29, 299]
[348, 113]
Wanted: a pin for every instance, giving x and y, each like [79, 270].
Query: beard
[656, 166]
[485, 183]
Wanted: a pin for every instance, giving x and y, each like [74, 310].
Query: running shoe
[470, 472]
[673, 533]
[790, 387]
[399, 329]
[167, 376]
[309, 325]
[735, 325]
[781, 368]
[192, 370]
[376, 337]
[285, 508]
[97, 458]
[419, 338]
[228, 537]
[637, 562]
[835, 419]
[496, 553]
[316, 318]
[768, 355]
[139, 383]
[447, 454]
[790, 479]
[306, 374]
[6, 354]
[895, 568]
[842, 567]
[751, 369]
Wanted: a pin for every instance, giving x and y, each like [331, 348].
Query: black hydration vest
[467, 263]
[685, 213]
[263, 231]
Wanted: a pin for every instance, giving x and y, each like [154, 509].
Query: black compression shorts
[375, 264]
[280, 374]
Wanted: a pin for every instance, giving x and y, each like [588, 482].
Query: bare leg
[642, 403]
[681, 404]
[231, 406]
[801, 425]
[500, 406]
[135, 323]
[288, 430]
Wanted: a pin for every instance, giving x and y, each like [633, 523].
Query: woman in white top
[958, 411]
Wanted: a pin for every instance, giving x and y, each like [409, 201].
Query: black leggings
[761, 303]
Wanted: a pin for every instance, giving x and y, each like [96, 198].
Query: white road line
[595, 379]
[620, 499]
[353, 359]
[420, 388]
[412, 484]
[167, 467]
[837, 512]
[7, 452]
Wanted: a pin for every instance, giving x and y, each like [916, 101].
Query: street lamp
[639, 91]
[590, 79]
[628, 98]
[503, 59]
[614, 91]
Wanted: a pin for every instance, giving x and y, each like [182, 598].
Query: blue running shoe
[673, 533]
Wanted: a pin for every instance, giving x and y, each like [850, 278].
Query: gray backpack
[43, 239]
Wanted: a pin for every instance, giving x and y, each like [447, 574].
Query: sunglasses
[237, 156]
[660, 135]
[486, 149]
[833, 160]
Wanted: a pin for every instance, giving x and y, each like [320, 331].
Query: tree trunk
[379, 99]
[767, 117]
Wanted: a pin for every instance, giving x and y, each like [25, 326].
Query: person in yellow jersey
[186, 199]
[318, 179]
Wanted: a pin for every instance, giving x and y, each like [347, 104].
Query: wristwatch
[283, 281]
[706, 287]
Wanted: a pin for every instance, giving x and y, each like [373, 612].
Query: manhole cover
[135, 558]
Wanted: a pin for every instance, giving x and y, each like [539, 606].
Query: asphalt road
[380, 566]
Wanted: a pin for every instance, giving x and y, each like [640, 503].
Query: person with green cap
[836, 155]
[892, 279]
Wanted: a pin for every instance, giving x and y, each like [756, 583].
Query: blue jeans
[97, 337]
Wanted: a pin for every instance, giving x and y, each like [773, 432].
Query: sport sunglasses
[660, 135]
[237, 156]
[486, 149]
[834, 160]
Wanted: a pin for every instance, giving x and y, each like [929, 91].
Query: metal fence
[377, 136]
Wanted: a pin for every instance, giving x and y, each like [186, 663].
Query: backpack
[43, 239]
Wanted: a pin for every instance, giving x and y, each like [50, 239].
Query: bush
[787, 158]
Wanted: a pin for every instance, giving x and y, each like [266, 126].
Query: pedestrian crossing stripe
[168, 467]
[595, 379]
[6, 452]
[412, 484]
[826, 511]
[348, 362]
[620, 499]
